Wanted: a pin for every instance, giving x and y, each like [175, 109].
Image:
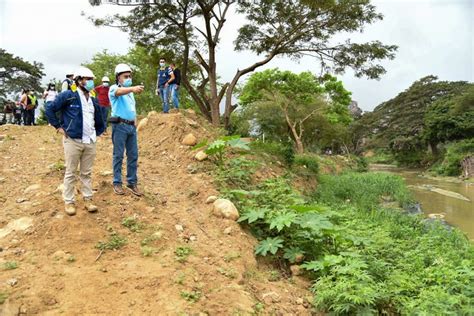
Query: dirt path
[56, 256]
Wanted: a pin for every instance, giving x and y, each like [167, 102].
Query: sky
[434, 37]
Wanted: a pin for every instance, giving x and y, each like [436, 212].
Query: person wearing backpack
[80, 124]
[68, 82]
[165, 76]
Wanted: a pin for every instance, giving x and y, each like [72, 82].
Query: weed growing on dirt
[191, 296]
[227, 272]
[231, 256]
[3, 297]
[10, 265]
[132, 224]
[182, 253]
[147, 251]
[115, 242]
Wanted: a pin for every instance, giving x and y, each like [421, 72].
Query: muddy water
[456, 211]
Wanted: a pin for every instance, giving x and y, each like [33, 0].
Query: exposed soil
[59, 270]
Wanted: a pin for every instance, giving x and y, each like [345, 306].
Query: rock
[104, 173]
[299, 258]
[2, 137]
[200, 156]
[179, 228]
[190, 111]
[271, 297]
[192, 238]
[436, 216]
[225, 208]
[228, 230]
[189, 140]
[2, 179]
[32, 188]
[12, 282]
[295, 270]
[211, 199]
[21, 200]
[152, 114]
[142, 124]
[192, 123]
[299, 301]
[22, 223]
[59, 255]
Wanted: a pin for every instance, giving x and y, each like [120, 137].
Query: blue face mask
[89, 85]
[127, 83]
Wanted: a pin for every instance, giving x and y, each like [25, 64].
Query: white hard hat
[122, 68]
[71, 73]
[84, 72]
[105, 79]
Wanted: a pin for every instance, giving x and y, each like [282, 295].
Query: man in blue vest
[124, 131]
[80, 124]
[165, 77]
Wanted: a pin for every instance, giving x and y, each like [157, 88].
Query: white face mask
[162, 64]
[105, 84]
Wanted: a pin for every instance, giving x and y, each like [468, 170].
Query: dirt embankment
[178, 258]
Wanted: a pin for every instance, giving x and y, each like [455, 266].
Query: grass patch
[132, 224]
[227, 272]
[362, 189]
[3, 297]
[231, 256]
[10, 265]
[182, 253]
[147, 251]
[191, 296]
[115, 242]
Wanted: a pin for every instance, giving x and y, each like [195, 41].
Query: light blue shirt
[122, 106]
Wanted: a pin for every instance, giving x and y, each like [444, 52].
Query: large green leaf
[269, 245]
[282, 220]
[252, 215]
[314, 221]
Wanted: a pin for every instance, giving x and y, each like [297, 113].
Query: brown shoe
[91, 208]
[134, 189]
[70, 209]
[118, 189]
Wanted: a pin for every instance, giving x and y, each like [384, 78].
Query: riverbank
[361, 257]
[447, 198]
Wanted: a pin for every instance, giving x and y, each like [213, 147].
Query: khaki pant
[78, 154]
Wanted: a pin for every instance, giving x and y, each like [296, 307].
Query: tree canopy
[301, 107]
[192, 30]
[17, 74]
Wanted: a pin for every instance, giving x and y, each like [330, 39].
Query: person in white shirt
[80, 124]
[49, 94]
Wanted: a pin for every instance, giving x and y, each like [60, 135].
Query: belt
[120, 120]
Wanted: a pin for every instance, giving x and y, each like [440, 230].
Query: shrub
[309, 161]
[455, 153]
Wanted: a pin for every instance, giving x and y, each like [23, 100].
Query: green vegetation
[115, 242]
[217, 148]
[264, 25]
[455, 153]
[363, 258]
[3, 297]
[132, 224]
[416, 125]
[182, 253]
[10, 265]
[191, 296]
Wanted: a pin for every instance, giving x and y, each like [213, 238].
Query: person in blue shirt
[164, 77]
[80, 123]
[124, 132]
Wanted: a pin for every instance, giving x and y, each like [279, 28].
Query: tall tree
[283, 105]
[294, 28]
[16, 74]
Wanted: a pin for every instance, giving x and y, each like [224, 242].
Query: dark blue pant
[124, 137]
[105, 114]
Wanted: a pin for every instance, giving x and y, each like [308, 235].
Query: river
[431, 194]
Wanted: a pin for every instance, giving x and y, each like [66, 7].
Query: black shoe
[134, 189]
[118, 189]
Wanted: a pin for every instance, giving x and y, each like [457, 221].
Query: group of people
[81, 121]
[21, 112]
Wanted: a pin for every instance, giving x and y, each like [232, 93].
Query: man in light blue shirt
[124, 132]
